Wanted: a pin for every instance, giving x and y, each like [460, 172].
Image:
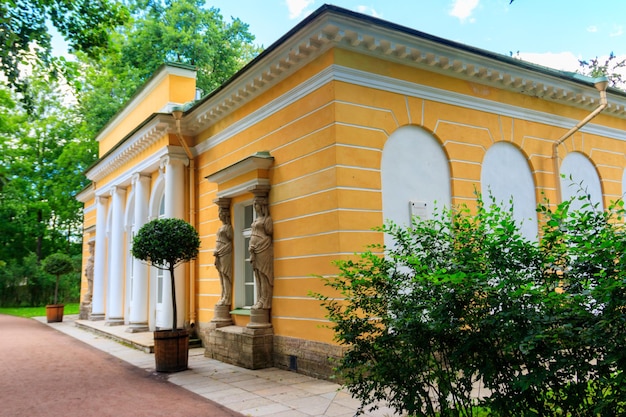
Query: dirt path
[46, 373]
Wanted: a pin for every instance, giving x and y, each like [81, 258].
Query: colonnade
[124, 288]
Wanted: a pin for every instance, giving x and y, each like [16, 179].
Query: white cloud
[368, 10]
[617, 31]
[462, 9]
[592, 29]
[298, 8]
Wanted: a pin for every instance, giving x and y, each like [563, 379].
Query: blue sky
[555, 33]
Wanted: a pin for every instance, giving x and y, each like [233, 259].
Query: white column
[99, 266]
[175, 185]
[138, 316]
[115, 299]
[175, 208]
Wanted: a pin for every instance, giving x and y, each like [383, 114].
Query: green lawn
[70, 308]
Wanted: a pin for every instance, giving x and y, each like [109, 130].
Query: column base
[85, 311]
[137, 328]
[96, 317]
[114, 321]
[221, 317]
[259, 319]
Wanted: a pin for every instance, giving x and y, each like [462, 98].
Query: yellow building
[346, 121]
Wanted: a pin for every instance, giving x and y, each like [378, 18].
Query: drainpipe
[177, 113]
[601, 83]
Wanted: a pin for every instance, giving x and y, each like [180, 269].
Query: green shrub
[462, 311]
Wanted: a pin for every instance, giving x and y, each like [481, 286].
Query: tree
[57, 264]
[462, 302]
[41, 169]
[25, 36]
[183, 31]
[611, 67]
[166, 243]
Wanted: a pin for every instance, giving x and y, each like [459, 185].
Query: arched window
[415, 175]
[505, 175]
[578, 172]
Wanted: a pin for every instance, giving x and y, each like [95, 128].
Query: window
[245, 288]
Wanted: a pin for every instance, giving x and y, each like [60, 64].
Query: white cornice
[87, 194]
[332, 29]
[260, 160]
[145, 136]
[384, 41]
[367, 79]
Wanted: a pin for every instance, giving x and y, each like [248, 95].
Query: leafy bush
[464, 314]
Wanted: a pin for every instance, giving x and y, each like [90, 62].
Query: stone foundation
[259, 348]
[307, 357]
[85, 311]
[241, 346]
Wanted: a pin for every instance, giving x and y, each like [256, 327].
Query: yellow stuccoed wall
[326, 184]
[327, 147]
[173, 89]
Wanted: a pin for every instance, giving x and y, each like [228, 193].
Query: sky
[555, 33]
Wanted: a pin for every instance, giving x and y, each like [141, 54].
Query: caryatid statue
[89, 273]
[262, 253]
[223, 255]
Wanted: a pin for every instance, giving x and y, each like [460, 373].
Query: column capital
[102, 199]
[173, 159]
[138, 176]
[116, 189]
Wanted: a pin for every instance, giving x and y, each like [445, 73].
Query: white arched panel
[580, 176]
[505, 175]
[415, 175]
[156, 197]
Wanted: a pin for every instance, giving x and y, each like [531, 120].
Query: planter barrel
[54, 313]
[171, 350]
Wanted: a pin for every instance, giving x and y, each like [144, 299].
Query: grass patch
[70, 308]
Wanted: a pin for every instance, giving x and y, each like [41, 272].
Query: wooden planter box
[171, 350]
[54, 313]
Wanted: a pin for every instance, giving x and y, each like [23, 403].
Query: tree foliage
[181, 31]
[51, 109]
[166, 243]
[462, 315]
[42, 159]
[611, 67]
[25, 36]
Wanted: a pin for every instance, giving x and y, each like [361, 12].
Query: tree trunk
[174, 320]
[39, 235]
[56, 291]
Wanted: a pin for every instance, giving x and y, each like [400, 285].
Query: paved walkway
[267, 392]
[46, 373]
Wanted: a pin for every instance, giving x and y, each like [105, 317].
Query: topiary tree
[57, 264]
[166, 243]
